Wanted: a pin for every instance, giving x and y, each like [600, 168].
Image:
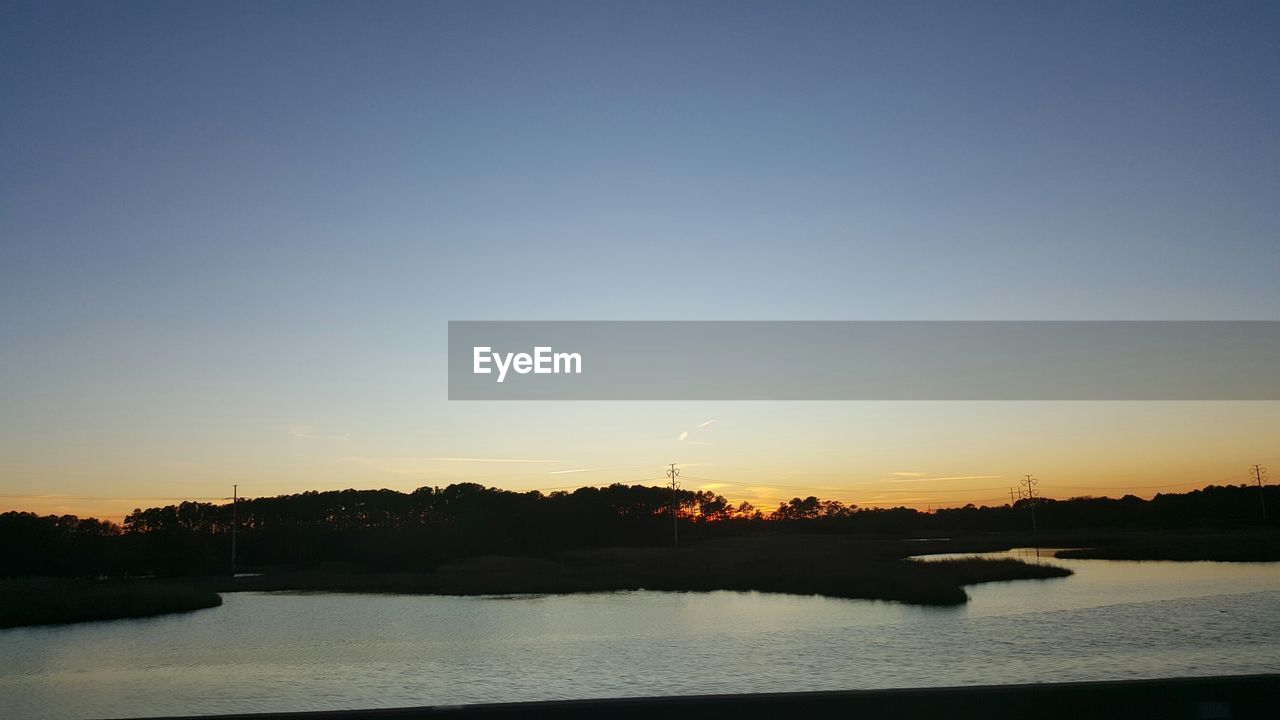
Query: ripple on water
[265, 652]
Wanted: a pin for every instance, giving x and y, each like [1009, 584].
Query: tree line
[387, 530]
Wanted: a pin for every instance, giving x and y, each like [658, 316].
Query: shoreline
[838, 566]
[833, 566]
[36, 602]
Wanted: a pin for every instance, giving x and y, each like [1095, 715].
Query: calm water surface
[270, 651]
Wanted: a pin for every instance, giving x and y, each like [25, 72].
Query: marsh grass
[49, 601]
[806, 565]
[1255, 546]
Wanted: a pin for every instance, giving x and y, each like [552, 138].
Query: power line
[1132, 487]
[189, 498]
[940, 490]
[1257, 475]
[931, 491]
[810, 488]
[105, 497]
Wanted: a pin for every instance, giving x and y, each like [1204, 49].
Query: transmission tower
[674, 474]
[235, 502]
[1259, 473]
[1029, 492]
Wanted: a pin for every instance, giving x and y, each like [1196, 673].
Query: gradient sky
[231, 234]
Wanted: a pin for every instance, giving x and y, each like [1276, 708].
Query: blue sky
[223, 222]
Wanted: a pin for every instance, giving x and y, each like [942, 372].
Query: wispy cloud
[612, 468]
[395, 466]
[909, 474]
[306, 432]
[491, 460]
[420, 467]
[684, 436]
[939, 479]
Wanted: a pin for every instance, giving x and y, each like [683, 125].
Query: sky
[232, 234]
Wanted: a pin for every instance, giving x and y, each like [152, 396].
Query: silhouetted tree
[389, 530]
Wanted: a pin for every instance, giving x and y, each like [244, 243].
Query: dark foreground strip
[1207, 698]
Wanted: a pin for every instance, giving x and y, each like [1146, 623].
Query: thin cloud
[598, 469]
[684, 436]
[424, 467]
[415, 467]
[306, 432]
[490, 460]
[909, 474]
[938, 479]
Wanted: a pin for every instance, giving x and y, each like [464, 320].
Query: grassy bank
[812, 565]
[49, 601]
[1243, 546]
[1257, 544]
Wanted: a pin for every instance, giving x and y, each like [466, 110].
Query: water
[264, 652]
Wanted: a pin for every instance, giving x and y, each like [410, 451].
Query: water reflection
[265, 652]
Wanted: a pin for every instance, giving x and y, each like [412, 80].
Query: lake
[264, 652]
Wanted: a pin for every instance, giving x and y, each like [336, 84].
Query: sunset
[915, 454]
[746, 358]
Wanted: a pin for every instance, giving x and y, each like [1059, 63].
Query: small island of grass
[1258, 545]
[51, 601]
[829, 565]
[809, 565]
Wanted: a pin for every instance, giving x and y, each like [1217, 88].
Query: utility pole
[235, 497]
[1030, 494]
[1258, 472]
[1012, 500]
[674, 473]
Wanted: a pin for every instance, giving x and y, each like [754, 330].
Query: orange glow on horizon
[115, 509]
